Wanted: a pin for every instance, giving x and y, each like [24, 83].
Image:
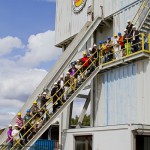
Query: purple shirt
[9, 133]
[72, 72]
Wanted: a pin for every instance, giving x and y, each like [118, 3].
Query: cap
[73, 64]
[125, 30]
[61, 76]
[128, 21]
[19, 114]
[44, 93]
[100, 42]
[115, 35]
[68, 73]
[16, 125]
[108, 37]
[28, 110]
[119, 33]
[78, 60]
[10, 125]
[84, 53]
[94, 45]
[90, 49]
[55, 83]
[35, 102]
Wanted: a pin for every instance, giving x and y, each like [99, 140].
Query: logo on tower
[78, 5]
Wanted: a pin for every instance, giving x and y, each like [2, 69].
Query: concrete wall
[122, 95]
[103, 138]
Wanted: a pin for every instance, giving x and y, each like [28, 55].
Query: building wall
[120, 18]
[122, 95]
[69, 23]
[106, 139]
[110, 7]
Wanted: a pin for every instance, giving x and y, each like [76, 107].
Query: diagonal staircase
[69, 100]
[78, 42]
[144, 24]
[59, 68]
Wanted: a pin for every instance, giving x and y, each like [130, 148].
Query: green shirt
[26, 119]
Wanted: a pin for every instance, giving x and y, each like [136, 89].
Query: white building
[118, 91]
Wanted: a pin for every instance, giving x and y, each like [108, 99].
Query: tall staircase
[144, 26]
[64, 61]
[59, 69]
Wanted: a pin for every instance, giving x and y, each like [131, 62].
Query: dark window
[142, 142]
[83, 142]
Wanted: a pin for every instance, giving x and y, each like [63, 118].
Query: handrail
[142, 42]
[58, 99]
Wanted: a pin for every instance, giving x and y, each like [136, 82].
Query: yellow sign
[78, 5]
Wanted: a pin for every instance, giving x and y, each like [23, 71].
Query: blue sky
[27, 52]
[23, 18]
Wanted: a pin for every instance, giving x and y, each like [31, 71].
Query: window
[83, 142]
[142, 142]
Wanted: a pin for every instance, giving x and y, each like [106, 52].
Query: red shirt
[85, 61]
[19, 122]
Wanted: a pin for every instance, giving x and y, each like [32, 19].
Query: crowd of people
[112, 48]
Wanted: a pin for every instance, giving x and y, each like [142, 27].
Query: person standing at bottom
[10, 138]
[16, 137]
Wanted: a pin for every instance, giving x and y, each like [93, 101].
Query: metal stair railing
[59, 99]
[78, 42]
[145, 12]
[142, 8]
[127, 52]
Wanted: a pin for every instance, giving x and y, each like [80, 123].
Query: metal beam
[107, 24]
[67, 103]
[85, 107]
[59, 67]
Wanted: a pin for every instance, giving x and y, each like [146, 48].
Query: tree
[86, 120]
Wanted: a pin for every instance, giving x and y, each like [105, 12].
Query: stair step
[147, 19]
[147, 24]
[145, 28]
[143, 31]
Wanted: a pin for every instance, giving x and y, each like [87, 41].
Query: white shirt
[133, 35]
[61, 83]
[15, 134]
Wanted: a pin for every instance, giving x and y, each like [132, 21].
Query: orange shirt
[120, 41]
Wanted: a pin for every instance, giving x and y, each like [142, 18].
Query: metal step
[147, 24]
[72, 97]
[143, 31]
[54, 74]
[145, 28]
[148, 19]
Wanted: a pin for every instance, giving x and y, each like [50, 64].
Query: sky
[27, 52]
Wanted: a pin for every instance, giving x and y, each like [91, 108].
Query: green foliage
[86, 120]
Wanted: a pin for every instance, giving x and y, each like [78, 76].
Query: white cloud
[40, 49]
[19, 77]
[8, 43]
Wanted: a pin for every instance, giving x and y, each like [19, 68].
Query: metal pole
[142, 42]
